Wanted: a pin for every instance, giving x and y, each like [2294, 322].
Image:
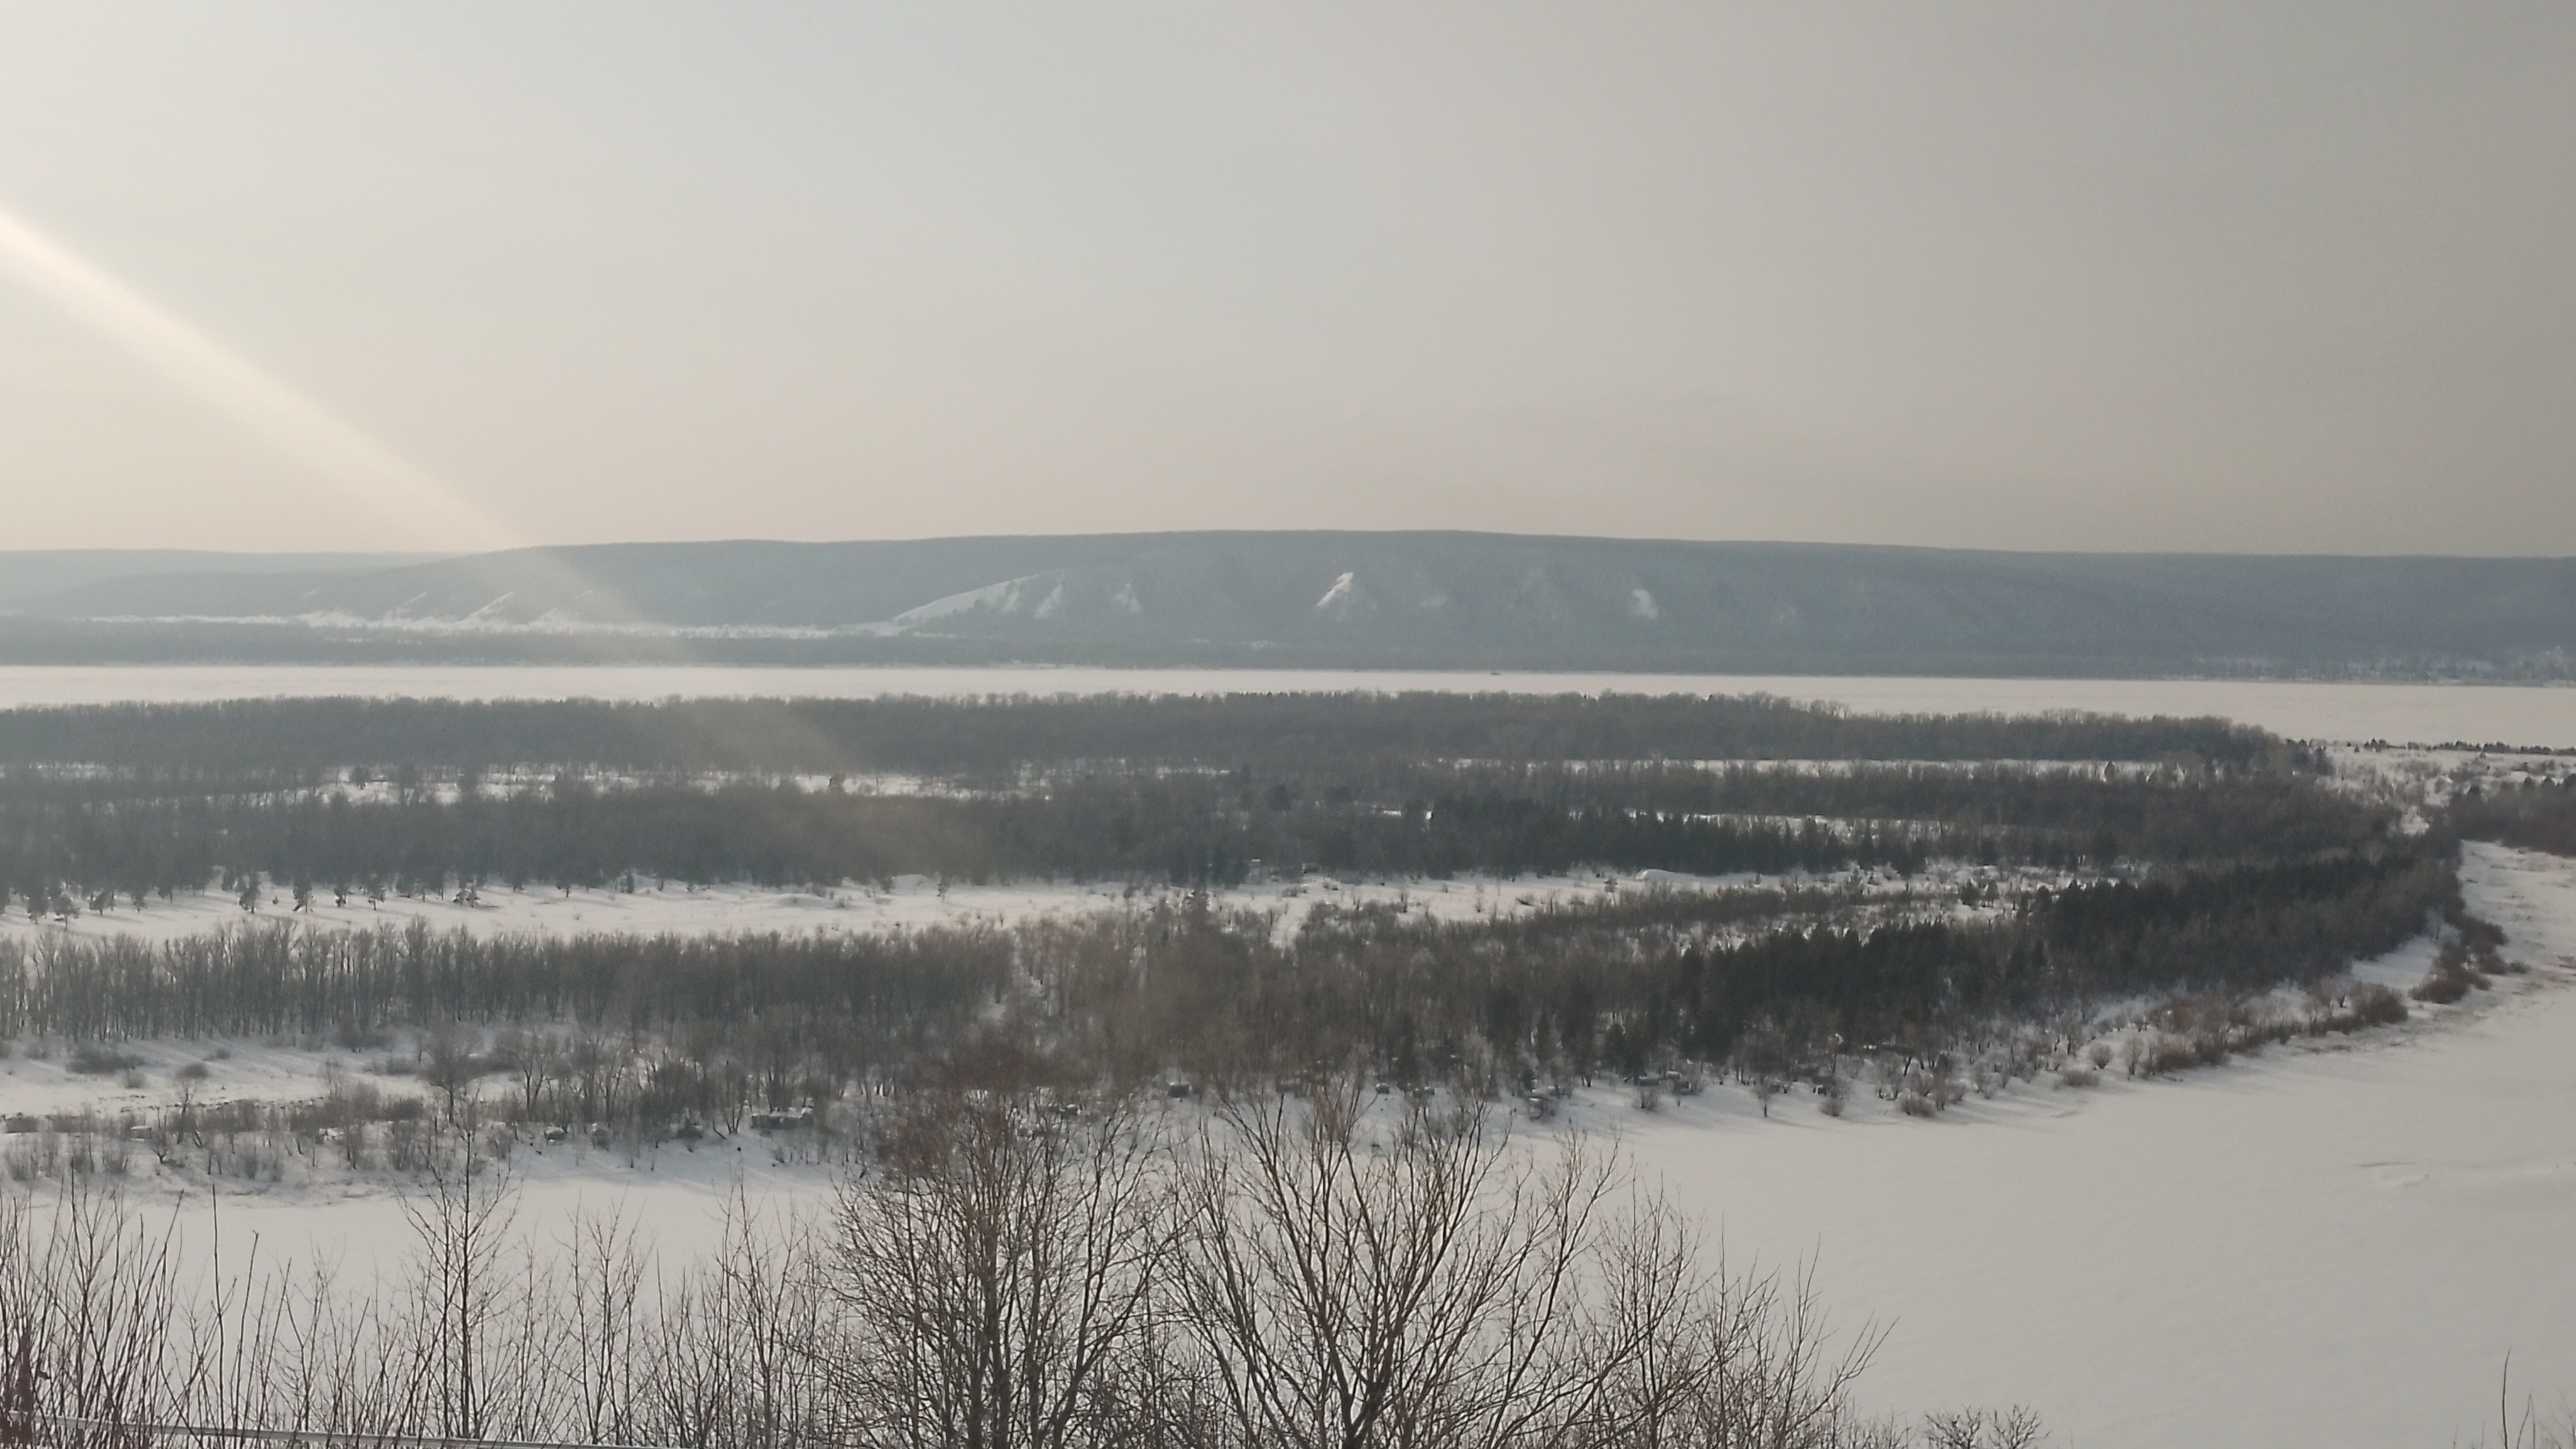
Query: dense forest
[104, 842]
[1763, 979]
[945, 737]
[108, 806]
[2169, 856]
[2532, 815]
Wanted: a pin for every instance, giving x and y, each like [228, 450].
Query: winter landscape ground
[2317, 1245]
[1270, 726]
[2335, 1238]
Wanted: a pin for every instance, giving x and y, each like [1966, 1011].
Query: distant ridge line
[1324, 599]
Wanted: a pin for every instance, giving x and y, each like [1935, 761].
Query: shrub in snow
[91, 1059]
[2161, 1053]
[2441, 988]
[2376, 1006]
[2451, 978]
[1831, 1093]
[1916, 1104]
[2078, 1075]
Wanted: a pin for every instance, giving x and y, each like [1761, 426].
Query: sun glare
[425, 512]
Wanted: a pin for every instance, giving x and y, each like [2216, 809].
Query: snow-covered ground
[2332, 1246]
[2334, 1242]
[2429, 713]
[2328, 1243]
[912, 901]
[2432, 776]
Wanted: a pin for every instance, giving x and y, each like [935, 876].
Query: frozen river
[2401, 713]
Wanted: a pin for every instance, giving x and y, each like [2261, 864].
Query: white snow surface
[1342, 598]
[2313, 1246]
[2539, 715]
[912, 901]
[2323, 1244]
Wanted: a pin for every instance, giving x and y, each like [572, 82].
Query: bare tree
[604, 1288]
[1318, 1271]
[1352, 1278]
[1761, 1367]
[450, 1066]
[1000, 1275]
[86, 1297]
[1357, 1282]
[2013, 1428]
[460, 1279]
[540, 1062]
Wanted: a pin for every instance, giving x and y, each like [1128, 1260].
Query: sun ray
[414, 505]
[343, 456]
[422, 509]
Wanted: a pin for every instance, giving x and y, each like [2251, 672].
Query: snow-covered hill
[1485, 601]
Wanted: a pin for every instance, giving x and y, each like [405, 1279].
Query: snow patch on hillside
[1343, 598]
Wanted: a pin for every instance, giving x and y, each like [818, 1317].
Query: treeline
[967, 737]
[1121, 997]
[100, 842]
[1643, 983]
[871, 997]
[2531, 815]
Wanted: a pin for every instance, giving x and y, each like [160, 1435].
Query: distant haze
[2137, 276]
[1276, 599]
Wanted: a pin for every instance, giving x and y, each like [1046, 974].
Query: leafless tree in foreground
[461, 1225]
[1000, 1275]
[1302, 1272]
[84, 1320]
[1352, 1283]
[2531, 1428]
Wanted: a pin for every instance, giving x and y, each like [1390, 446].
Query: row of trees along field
[103, 840]
[1763, 978]
[1280, 733]
[2531, 815]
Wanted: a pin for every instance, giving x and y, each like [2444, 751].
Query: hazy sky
[2296, 276]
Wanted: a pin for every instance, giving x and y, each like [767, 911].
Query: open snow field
[2329, 1243]
[912, 901]
[2306, 1247]
[2426, 713]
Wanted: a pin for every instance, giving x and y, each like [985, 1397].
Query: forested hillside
[1448, 600]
